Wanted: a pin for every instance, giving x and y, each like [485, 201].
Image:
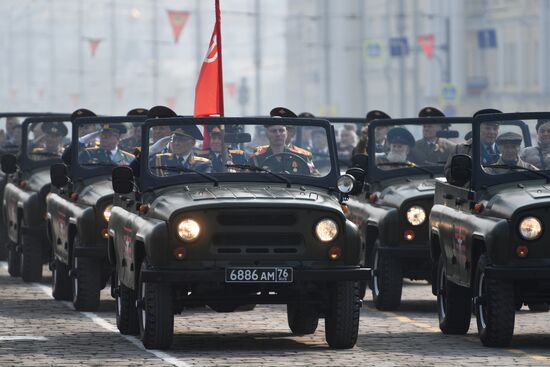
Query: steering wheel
[287, 163]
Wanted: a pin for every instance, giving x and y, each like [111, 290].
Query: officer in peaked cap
[161, 131]
[432, 149]
[284, 112]
[381, 132]
[180, 153]
[376, 115]
[401, 142]
[54, 132]
[306, 115]
[430, 112]
[108, 151]
[509, 144]
[84, 138]
[133, 142]
[216, 152]
[138, 112]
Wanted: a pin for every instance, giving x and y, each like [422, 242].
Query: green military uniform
[262, 153]
[99, 155]
[48, 152]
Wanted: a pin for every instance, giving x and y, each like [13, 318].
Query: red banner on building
[178, 19]
[171, 102]
[427, 43]
[94, 43]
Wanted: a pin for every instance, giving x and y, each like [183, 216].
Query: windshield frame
[375, 174]
[25, 162]
[149, 181]
[80, 172]
[481, 179]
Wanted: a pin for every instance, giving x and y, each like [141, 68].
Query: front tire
[342, 315]
[14, 261]
[302, 320]
[454, 303]
[61, 282]
[127, 320]
[156, 314]
[86, 283]
[31, 258]
[387, 281]
[494, 308]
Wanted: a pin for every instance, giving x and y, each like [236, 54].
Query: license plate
[258, 275]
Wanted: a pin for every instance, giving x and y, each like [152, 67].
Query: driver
[180, 153]
[509, 145]
[401, 142]
[108, 151]
[52, 141]
[295, 156]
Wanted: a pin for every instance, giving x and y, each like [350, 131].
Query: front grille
[257, 243]
[256, 219]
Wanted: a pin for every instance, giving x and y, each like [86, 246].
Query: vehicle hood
[394, 193]
[505, 202]
[95, 189]
[181, 197]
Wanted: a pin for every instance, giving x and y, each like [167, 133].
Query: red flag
[94, 42]
[171, 102]
[427, 44]
[209, 89]
[178, 19]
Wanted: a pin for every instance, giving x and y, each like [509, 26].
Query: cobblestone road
[38, 331]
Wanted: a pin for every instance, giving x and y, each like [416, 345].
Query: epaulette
[38, 150]
[167, 155]
[236, 151]
[92, 149]
[260, 147]
[299, 150]
[200, 159]
[203, 152]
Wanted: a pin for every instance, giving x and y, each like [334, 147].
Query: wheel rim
[118, 301]
[143, 310]
[481, 310]
[442, 291]
[75, 280]
[374, 274]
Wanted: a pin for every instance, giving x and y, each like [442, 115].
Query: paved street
[38, 331]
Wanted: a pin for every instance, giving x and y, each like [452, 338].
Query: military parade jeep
[488, 228]
[24, 201]
[78, 208]
[270, 231]
[392, 211]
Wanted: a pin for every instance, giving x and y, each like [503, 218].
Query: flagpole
[219, 41]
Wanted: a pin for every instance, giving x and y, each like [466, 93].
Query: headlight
[530, 228]
[189, 229]
[416, 215]
[345, 183]
[326, 230]
[107, 212]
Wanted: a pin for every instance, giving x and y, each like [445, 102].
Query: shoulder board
[236, 151]
[260, 150]
[203, 152]
[200, 159]
[38, 150]
[260, 147]
[300, 150]
[167, 155]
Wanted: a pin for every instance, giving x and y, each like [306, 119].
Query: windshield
[417, 145]
[502, 148]
[10, 134]
[296, 150]
[47, 140]
[108, 144]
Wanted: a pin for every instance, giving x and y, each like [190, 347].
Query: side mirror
[123, 180]
[9, 163]
[360, 160]
[461, 169]
[58, 175]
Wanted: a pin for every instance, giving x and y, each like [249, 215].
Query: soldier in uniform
[539, 155]
[180, 154]
[83, 140]
[279, 157]
[509, 145]
[401, 142]
[132, 142]
[361, 147]
[431, 149]
[216, 153]
[466, 147]
[52, 143]
[108, 151]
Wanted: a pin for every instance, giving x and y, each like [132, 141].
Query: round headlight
[530, 228]
[326, 230]
[188, 229]
[107, 212]
[345, 183]
[416, 215]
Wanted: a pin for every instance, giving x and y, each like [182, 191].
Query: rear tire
[86, 282]
[302, 320]
[156, 314]
[14, 261]
[342, 315]
[495, 308]
[31, 258]
[454, 304]
[127, 320]
[61, 282]
[387, 281]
